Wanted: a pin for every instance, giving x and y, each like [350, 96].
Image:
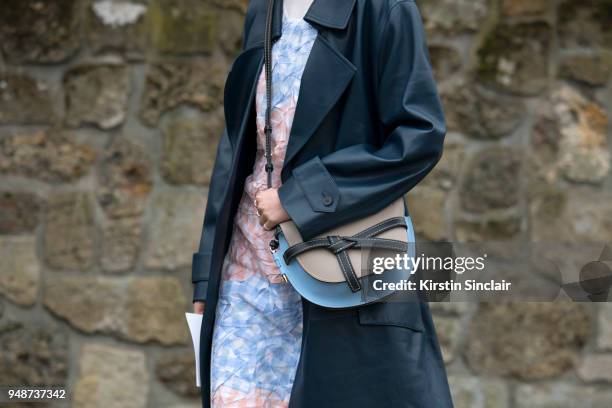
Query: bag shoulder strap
[274, 244]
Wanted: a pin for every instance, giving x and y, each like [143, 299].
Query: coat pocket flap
[317, 185]
[402, 314]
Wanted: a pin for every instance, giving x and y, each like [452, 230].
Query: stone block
[190, 147]
[539, 341]
[175, 229]
[125, 178]
[515, 57]
[111, 376]
[96, 95]
[24, 100]
[35, 31]
[138, 309]
[69, 233]
[19, 270]
[51, 155]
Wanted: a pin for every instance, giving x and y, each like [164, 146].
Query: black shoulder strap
[268, 126]
[268, 68]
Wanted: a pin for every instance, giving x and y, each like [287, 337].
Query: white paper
[194, 321]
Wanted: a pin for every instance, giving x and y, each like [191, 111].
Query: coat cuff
[200, 266]
[309, 196]
[199, 291]
[200, 271]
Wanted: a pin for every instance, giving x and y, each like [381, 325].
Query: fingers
[198, 307]
[264, 209]
[265, 222]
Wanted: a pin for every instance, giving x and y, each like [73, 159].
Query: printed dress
[258, 328]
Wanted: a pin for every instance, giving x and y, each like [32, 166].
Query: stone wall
[109, 116]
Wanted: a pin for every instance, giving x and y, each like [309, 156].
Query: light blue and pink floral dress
[258, 327]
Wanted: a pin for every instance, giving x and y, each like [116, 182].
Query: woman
[368, 127]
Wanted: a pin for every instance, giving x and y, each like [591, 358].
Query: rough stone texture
[515, 57]
[33, 354]
[86, 302]
[522, 8]
[39, 31]
[561, 396]
[198, 83]
[229, 36]
[540, 340]
[445, 61]
[481, 115]
[125, 178]
[111, 377]
[585, 23]
[448, 170]
[594, 70]
[155, 309]
[447, 17]
[570, 140]
[178, 374]
[189, 148]
[52, 155]
[69, 233]
[121, 245]
[584, 155]
[175, 232]
[19, 270]
[494, 228]
[587, 216]
[473, 392]
[449, 333]
[594, 367]
[183, 26]
[426, 206]
[19, 212]
[96, 95]
[604, 323]
[118, 26]
[235, 5]
[138, 309]
[492, 181]
[24, 99]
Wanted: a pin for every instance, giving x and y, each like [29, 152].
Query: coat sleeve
[200, 268]
[201, 264]
[360, 180]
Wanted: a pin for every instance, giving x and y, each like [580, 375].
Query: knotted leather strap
[340, 244]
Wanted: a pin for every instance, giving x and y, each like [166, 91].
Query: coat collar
[332, 14]
[328, 14]
[326, 75]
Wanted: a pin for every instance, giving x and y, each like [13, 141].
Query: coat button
[326, 198]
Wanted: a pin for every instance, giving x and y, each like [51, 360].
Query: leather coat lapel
[241, 83]
[239, 94]
[326, 76]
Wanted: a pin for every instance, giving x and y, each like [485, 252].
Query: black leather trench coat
[367, 128]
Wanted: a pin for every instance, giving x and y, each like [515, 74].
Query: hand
[198, 307]
[269, 209]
